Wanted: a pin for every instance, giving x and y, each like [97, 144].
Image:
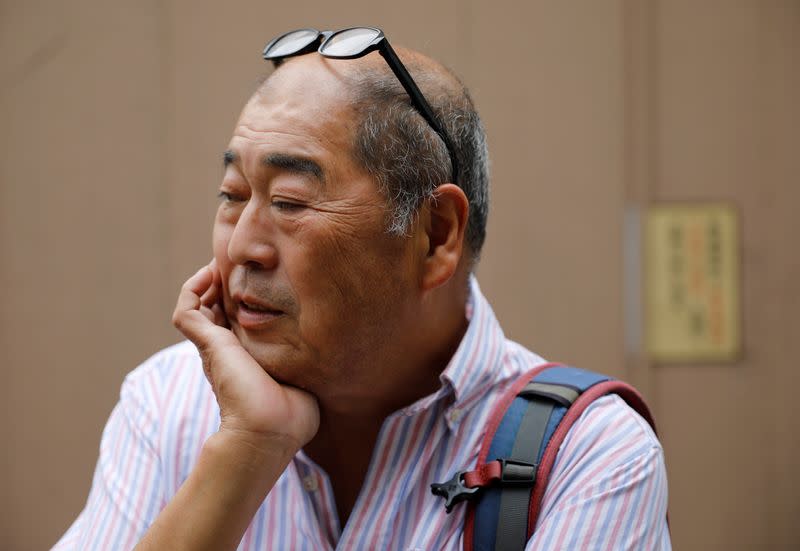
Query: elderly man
[347, 358]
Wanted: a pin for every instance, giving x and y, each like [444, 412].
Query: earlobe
[445, 226]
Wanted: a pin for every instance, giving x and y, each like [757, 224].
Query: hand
[254, 408]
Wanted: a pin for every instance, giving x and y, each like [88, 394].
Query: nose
[252, 240]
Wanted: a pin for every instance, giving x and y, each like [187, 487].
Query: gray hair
[408, 158]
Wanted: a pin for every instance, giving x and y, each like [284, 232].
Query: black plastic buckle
[453, 491]
[517, 473]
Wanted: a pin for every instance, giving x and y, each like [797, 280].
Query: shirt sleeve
[126, 493]
[608, 487]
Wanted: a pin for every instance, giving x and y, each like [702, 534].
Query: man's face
[313, 286]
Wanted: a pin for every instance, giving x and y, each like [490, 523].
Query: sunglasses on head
[353, 43]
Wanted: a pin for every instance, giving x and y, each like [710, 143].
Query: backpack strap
[601, 387]
[524, 433]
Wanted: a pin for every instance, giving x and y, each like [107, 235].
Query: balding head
[392, 141]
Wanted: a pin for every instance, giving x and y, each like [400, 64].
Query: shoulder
[169, 402]
[609, 444]
[172, 376]
[609, 423]
[608, 486]
[179, 361]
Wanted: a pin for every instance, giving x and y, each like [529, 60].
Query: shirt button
[454, 415]
[310, 483]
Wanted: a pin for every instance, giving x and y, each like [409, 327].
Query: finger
[212, 294]
[215, 313]
[219, 316]
[219, 307]
[208, 313]
[193, 289]
[196, 327]
[212, 300]
[187, 317]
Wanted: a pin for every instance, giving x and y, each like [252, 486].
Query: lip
[248, 318]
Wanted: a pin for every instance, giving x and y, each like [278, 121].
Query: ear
[445, 224]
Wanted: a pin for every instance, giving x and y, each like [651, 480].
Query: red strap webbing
[483, 475]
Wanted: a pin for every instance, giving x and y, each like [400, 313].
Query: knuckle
[178, 320]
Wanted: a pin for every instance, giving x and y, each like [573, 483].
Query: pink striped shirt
[608, 489]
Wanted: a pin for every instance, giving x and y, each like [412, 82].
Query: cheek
[324, 277]
[352, 277]
[219, 239]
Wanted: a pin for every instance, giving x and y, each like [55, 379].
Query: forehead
[303, 108]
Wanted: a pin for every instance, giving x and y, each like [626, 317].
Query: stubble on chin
[279, 360]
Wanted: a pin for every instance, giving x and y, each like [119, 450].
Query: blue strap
[488, 507]
[504, 441]
[512, 519]
[574, 377]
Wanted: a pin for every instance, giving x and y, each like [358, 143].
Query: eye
[287, 206]
[228, 197]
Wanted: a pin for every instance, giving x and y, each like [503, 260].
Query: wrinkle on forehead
[304, 113]
[250, 132]
[310, 96]
[310, 76]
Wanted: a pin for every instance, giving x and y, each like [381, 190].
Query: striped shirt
[608, 487]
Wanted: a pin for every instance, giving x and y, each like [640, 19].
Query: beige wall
[726, 126]
[114, 117]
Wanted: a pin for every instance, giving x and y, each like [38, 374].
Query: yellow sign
[692, 283]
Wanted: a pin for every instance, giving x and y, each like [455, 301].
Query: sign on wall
[692, 282]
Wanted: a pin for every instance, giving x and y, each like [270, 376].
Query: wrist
[249, 448]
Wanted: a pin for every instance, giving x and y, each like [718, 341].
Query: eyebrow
[294, 164]
[283, 161]
[229, 158]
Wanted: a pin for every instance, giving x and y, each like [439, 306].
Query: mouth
[252, 314]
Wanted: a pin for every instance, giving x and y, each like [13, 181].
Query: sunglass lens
[349, 42]
[291, 43]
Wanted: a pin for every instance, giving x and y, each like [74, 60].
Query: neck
[402, 372]
[351, 419]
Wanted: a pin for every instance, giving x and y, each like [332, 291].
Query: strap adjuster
[517, 473]
[512, 474]
[454, 491]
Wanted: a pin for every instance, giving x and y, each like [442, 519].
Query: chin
[279, 360]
